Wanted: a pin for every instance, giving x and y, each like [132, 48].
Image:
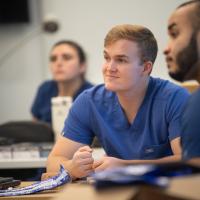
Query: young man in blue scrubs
[135, 116]
[183, 59]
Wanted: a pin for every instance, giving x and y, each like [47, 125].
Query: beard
[187, 61]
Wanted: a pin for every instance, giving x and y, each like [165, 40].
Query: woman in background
[68, 67]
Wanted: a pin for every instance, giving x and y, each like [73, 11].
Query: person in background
[183, 60]
[68, 67]
[135, 116]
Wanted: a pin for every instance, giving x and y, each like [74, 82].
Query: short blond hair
[136, 33]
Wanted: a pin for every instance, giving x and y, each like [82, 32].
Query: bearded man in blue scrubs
[135, 116]
[183, 59]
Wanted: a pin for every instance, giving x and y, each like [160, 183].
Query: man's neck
[194, 72]
[198, 64]
[198, 74]
[132, 100]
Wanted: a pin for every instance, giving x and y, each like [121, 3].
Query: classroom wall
[88, 22]
[21, 65]
[24, 49]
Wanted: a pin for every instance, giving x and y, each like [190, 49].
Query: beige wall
[88, 21]
[21, 65]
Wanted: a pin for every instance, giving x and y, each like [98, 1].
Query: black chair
[26, 131]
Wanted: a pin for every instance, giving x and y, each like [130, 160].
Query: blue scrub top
[41, 108]
[97, 111]
[190, 123]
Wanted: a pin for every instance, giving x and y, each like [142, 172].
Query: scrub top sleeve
[77, 125]
[190, 128]
[175, 109]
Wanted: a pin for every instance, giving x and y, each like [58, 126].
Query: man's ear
[148, 66]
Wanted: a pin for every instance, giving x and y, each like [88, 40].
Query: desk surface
[38, 196]
[41, 196]
[184, 188]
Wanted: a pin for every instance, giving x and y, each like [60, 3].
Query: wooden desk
[191, 86]
[185, 188]
[38, 196]
[41, 196]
